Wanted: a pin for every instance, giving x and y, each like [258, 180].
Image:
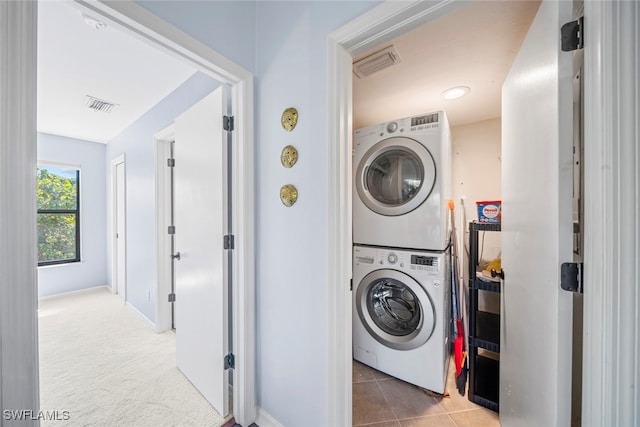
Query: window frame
[75, 212]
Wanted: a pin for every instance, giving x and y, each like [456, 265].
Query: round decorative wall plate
[288, 195]
[289, 156]
[289, 119]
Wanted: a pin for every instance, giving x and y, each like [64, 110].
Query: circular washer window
[395, 309]
[395, 176]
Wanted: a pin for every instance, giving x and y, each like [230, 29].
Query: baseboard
[78, 291]
[264, 419]
[142, 316]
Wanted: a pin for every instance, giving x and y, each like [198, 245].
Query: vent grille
[97, 104]
[375, 62]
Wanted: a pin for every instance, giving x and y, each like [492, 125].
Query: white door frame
[604, 170]
[18, 254]
[116, 286]
[163, 140]
[146, 26]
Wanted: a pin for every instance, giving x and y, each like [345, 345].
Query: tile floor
[383, 401]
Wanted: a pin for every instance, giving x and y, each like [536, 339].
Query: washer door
[395, 176]
[395, 309]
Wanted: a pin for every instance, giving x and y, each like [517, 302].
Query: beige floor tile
[407, 400]
[361, 372]
[379, 375]
[370, 405]
[440, 420]
[384, 424]
[476, 418]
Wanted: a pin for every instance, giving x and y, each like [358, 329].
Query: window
[58, 214]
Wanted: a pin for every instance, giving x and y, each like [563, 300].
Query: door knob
[176, 256]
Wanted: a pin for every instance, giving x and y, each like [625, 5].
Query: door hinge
[172, 297]
[171, 162]
[572, 35]
[229, 361]
[227, 123]
[351, 284]
[571, 277]
[229, 241]
[171, 229]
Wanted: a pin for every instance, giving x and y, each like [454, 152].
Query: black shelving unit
[484, 331]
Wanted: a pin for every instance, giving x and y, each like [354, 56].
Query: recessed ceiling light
[93, 22]
[455, 92]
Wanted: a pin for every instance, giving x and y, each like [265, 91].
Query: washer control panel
[399, 259]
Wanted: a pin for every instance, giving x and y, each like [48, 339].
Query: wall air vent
[376, 61]
[97, 104]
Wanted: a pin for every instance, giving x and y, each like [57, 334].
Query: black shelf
[484, 330]
[485, 285]
[487, 380]
[487, 330]
[484, 226]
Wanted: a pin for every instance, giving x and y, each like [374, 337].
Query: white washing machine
[402, 182]
[402, 314]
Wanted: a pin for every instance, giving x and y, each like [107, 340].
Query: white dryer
[402, 183]
[402, 314]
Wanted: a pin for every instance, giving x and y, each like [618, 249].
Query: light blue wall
[285, 45]
[92, 270]
[138, 145]
[226, 26]
[291, 272]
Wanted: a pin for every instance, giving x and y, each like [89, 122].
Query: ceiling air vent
[376, 61]
[97, 104]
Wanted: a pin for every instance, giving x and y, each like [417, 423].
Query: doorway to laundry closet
[353, 45]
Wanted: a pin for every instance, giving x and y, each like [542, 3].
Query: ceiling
[75, 60]
[473, 46]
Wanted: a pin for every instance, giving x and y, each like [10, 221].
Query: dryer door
[395, 176]
[395, 309]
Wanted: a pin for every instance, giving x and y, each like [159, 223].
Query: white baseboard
[264, 419]
[79, 291]
[142, 316]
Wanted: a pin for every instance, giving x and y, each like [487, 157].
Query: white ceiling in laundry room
[473, 46]
[76, 60]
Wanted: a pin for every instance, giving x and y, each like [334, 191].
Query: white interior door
[201, 273]
[535, 351]
[120, 236]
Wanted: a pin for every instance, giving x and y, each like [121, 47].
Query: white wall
[138, 145]
[477, 172]
[477, 175]
[92, 270]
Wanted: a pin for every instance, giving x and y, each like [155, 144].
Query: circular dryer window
[395, 309]
[395, 176]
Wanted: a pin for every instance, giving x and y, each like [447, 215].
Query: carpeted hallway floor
[103, 365]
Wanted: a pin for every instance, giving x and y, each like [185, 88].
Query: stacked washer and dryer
[401, 275]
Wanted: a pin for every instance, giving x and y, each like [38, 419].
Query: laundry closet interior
[418, 150]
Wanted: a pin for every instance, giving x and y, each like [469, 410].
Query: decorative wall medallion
[289, 119]
[288, 195]
[289, 156]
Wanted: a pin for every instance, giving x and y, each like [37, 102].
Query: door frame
[144, 25]
[19, 19]
[116, 286]
[163, 140]
[603, 141]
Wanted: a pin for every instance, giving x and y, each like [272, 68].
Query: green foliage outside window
[58, 215]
